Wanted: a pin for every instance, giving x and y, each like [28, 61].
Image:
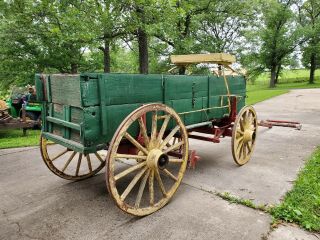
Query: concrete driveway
[35, 204]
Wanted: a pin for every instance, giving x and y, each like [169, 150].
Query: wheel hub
[247, 136]
[157, 159]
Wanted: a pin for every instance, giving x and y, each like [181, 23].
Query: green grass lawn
[256, 95]
[302, 204]
[300, 85]
[15, 138]
[288, 76]
[260, 92]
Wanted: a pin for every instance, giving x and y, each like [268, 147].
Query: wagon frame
[150, 142]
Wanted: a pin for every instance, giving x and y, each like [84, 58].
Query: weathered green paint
[63, 123]
[39, 85]
[48, 89]
[87, 109]
[44, 124]
[67, 118]
[50, 114]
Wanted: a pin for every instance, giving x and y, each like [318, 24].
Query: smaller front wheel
[244, 135]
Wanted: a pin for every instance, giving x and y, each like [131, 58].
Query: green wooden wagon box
[138, 126]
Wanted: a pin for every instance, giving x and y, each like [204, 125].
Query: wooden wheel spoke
[130, 156]
[163, 127]
[250, 118]
[132, 184]
[244, 149]
[59, 155]
[168, 138]
[89, 163]
[79, 163]
[159, 180]
[239, 141]
[239, 131]
[154, 126]
[242, 124]
[174, 140]
[135, 143]
[99, 157]
[168, 173]
[69, 160]
[141, 189]
[249, 146]
[239, 150]
[143, 131]
[151, 187]
[129, 170]
[175, 160]
[246, 114]
[174, 147]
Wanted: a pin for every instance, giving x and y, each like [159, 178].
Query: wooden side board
[98, 103]
[218, 58]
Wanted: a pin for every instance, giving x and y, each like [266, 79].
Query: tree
[179, 25]
[276, 35]
[143, 15]
[221, 28]
[142, 37]
[18, 52]
[309, 16]
[42, 36]
[107, 25]
[63, 40]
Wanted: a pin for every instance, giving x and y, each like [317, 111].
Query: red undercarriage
[219, 129]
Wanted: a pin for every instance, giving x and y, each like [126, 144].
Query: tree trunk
[312, 67]
[143, 51]
[277, 74]
[74, 68]
[182, 70]
[106, 56]
[273, 76]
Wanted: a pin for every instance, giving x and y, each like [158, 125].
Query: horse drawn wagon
[139, 125]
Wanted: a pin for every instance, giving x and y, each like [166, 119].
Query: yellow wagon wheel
[144, 182]
[69, 164]
[244, 135]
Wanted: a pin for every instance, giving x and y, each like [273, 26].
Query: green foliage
[246, 202]
[307, 50]
[15, 138]
[74, 36]
[302, 204]
[221, 28]
[309, 18]
[42, 36]
[273, 38]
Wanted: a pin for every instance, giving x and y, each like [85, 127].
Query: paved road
[36, 204]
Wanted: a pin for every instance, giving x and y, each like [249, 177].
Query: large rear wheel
[143, 179]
